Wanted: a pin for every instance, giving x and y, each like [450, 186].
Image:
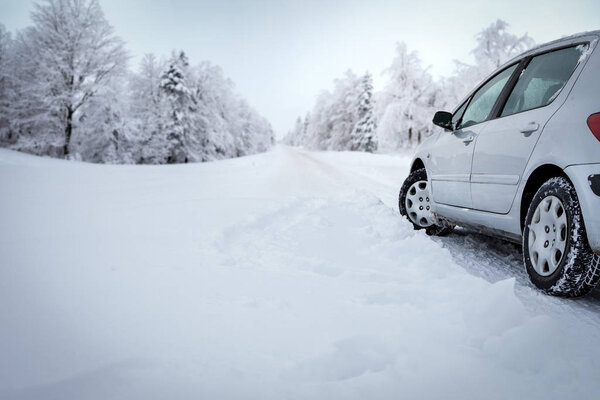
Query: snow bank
[275, 276]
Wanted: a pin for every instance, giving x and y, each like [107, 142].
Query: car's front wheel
[414, 202]
[556, 252]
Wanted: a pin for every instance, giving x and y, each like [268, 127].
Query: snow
[287, 274]
[585, 50]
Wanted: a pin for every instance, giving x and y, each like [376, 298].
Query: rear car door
[502, 151]
[451, 159]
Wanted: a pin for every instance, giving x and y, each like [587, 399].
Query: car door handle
[469, 139]
[530, 127]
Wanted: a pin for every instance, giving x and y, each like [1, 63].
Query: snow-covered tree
[255, 133]
[66, 58]
[218, 114]
[148, 112]
[331, 124]
[363, 134]
[105, 133]
[5, 85]
[294, 137]
[181, 106]
[305, 127]
[495, 46]
[192, 113]
[342, 119]
[343, 111]
[318, 130]
[65, 91]
[404, 107]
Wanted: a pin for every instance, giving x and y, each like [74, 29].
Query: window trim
[508, 88]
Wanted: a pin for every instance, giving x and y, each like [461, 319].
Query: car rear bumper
[586, 179]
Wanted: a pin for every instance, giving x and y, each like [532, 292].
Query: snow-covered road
[283, 275]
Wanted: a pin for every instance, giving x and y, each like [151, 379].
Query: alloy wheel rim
[547, 239]
[417, 204]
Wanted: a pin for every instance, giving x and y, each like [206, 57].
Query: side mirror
[443, 119]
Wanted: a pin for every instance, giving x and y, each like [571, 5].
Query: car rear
[577, 126]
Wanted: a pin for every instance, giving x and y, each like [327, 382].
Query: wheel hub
[547, 236]
[417, 204]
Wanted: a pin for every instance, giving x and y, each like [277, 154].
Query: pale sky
[280, 54]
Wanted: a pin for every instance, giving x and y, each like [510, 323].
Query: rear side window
[484, 99]
[543, 79]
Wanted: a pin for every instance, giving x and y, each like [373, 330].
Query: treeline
[342, 119]
[399, 116]
[66, 91]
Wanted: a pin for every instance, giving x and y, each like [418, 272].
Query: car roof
[553, 43]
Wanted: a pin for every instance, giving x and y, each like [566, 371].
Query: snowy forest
[353, 117]
[66, 91]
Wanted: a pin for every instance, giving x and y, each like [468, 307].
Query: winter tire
[556, 252]
[414, 203]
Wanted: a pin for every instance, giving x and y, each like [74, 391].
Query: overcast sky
[280, 54]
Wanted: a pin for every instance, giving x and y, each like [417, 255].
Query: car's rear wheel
[556, 252]
[414, 202]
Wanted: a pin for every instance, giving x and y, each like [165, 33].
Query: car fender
[423, 152]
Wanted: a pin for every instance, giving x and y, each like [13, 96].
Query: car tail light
[593, 122]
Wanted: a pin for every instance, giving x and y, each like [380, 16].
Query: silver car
[519, 158]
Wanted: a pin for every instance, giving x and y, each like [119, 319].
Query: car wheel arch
[534, 181]
[417, 164]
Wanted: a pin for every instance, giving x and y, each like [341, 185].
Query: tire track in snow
[489, 258]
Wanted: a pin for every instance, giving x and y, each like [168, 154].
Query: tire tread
[419, 175]
[579, 271]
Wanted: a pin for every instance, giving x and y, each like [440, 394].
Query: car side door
[452, 156]
[503, 150]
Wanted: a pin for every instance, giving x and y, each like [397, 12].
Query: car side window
[543, 79]
[484, 99]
